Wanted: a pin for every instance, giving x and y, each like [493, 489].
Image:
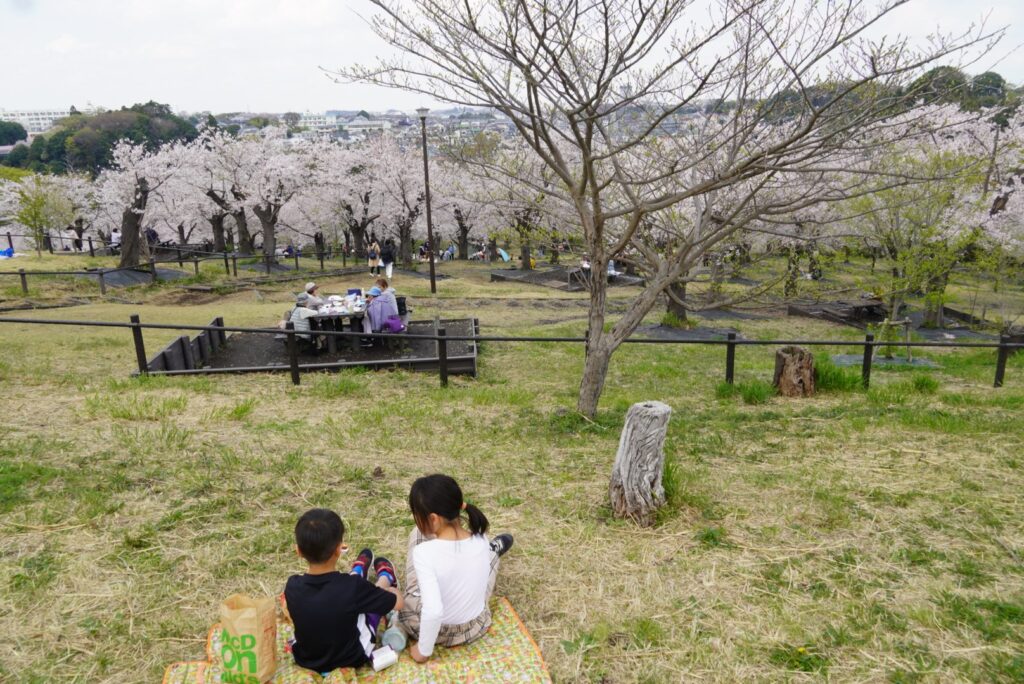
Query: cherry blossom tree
[637, 107]
[929, 225]
[402, 191]
[279, 168]
[221, 171]
[124, 191]
[351, 191]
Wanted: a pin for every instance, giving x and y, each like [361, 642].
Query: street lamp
[422, 113]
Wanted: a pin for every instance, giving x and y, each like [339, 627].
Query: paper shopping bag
[248, 639]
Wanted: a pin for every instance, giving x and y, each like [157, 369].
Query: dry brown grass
[878, 532]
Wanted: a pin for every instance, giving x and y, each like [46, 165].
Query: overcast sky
[263, 55]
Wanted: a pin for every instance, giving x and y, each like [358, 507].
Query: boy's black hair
[318, 533]
[441, 495]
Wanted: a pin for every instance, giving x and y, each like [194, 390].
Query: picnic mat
[506, 654]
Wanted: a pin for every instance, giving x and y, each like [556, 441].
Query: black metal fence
[181, 255]
[1004, 347]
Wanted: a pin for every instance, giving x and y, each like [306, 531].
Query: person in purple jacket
[382, 304]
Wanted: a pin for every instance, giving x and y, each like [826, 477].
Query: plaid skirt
[449, 635]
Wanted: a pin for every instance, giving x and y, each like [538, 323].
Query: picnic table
[336, 318]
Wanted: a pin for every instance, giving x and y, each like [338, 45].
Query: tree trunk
[598, 351]
[794, 372]
[635, 490]
[524, 255]
[600, 344]
[595, 369]
[492, 249]
[268, 222]
[245, 241]
[131, 224]
[463, 226]
[405, 244]
[359, 240]
[676, 296]
[217, 228]
[933, 315]
[792, 273]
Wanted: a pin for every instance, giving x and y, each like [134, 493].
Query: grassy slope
[867, 535]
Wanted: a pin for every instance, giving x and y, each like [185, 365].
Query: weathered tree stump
[794, 372]
[635, 490]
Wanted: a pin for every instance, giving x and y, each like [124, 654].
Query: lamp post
[422, 112]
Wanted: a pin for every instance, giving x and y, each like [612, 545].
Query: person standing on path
[373, 257]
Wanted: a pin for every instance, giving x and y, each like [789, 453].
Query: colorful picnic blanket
[506, 654]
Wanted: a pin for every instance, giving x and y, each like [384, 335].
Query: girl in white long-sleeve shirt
[450, 571]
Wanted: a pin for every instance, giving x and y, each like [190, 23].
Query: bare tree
[645, 106]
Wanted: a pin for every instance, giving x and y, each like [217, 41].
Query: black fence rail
[183, 254]
[1004, 347]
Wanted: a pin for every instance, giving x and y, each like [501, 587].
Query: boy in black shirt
[335, 615]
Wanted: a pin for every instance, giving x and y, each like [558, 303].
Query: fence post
[10, 241]
[1001, 355]
[195, 264]
[103, 283]
[227, 266]
[214, 336]
[296, 255]
[234, 265]
[293, 352]
[180, 265]
[152, 269]
[24, 281]
[730, 358]
[321, 255]
[442, 355]
[865, 366]
[92, 250]
[344, 259]
[140, 348]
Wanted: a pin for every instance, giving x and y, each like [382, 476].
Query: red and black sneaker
[361, 565]
[383, 567]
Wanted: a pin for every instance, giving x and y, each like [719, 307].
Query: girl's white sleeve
[431, 608]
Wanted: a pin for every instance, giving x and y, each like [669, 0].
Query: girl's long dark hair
[441, 495]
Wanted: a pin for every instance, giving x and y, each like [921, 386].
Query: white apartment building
[318, 122]
[360, 126]
[34, 120]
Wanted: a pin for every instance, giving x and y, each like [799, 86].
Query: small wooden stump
[635, 490]
[794, 372]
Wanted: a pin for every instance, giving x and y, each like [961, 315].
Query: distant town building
[38, 121]
[318, 122]
[362, 125]
[34, 120]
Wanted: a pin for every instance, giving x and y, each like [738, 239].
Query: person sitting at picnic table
[315, 302]
[380, 305]
[585, 262]
[611, 269]
[300, 320]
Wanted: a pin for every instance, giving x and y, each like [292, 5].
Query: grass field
[854, 536]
